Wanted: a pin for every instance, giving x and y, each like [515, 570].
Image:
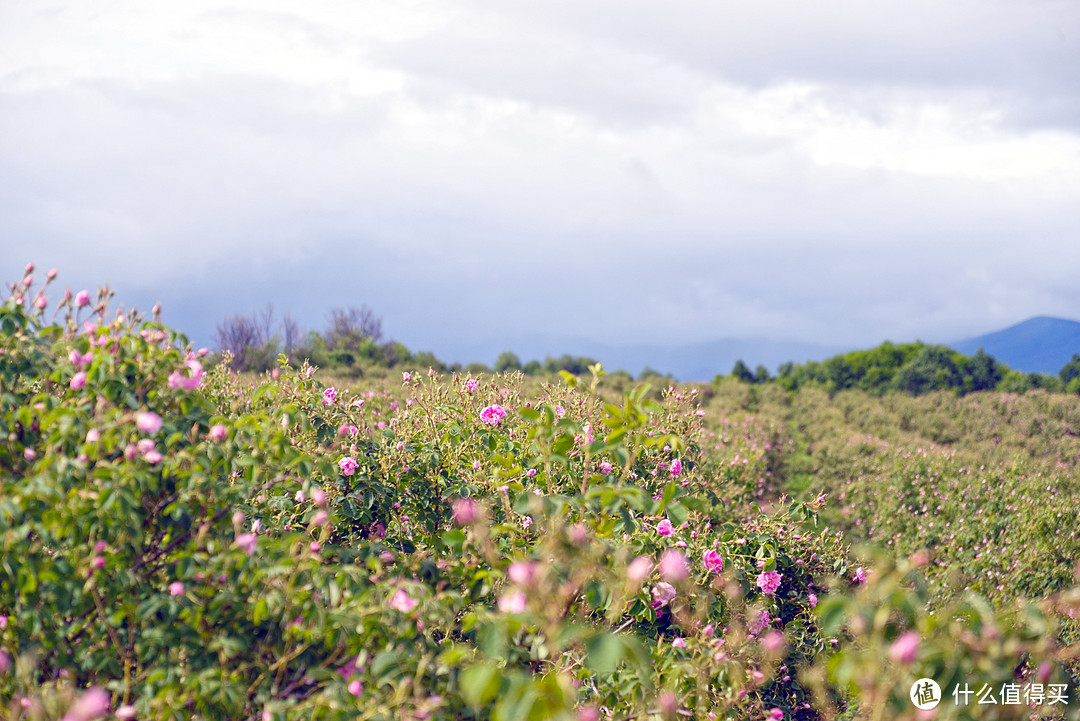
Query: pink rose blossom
[768, 582]
[329, 396]
[98, 562]
[355, 687]
[148, 422]
[465, 511]
[82, 298]
[664, 528]
[94, 703]
[176, 588]
[673, 566]
[760, 622]
[493, 414]
[320, 518]
[679, 642]
[471, 385]
[712, 560]
[905, 649]
[812, 599]
[319, 497]
[588, 713]
[29, 454]
[860, 575]
[402, 601]
[247, 541]
[773, 641]
[218, 432]
[523, 572]
[513, 601]
[775, 714]
[639, 569]
[663, 594]
[676, 467]
[78, 380]
[152, 457]
[348, 465]
[406, 377]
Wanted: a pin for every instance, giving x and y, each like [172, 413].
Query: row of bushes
[914, 368]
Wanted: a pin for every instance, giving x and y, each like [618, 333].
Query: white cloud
[788, 170]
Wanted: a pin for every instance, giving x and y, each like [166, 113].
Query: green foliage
[741, 373]
[507, 361]
[913, 368]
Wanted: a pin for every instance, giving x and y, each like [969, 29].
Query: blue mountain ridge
[1036, 345]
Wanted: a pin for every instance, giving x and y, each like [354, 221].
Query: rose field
[181, 541]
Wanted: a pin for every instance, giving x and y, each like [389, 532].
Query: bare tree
[290, 331]
[265, 320]
[239, 335]
[348, 326]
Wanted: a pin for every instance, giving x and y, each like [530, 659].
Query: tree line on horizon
[353, 343]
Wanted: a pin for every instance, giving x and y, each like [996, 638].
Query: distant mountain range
[1036, 345]
[1039, 345]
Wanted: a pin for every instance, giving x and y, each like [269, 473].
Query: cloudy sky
[487, 171]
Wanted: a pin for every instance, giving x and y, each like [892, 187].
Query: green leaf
[604, 652]
[677, 513]
[830, 613]
[479, 684]
[454, 539]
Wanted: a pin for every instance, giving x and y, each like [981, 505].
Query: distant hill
[1036, 345]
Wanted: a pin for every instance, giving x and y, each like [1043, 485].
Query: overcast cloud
[838, 172]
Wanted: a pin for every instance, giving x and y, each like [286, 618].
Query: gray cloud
[838, 173]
